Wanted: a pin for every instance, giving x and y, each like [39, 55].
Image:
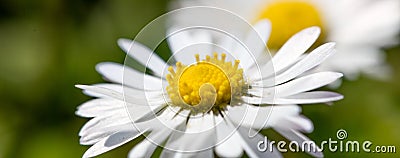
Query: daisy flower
[360, 27]
[216, 104]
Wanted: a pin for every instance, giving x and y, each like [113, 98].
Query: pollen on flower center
[289, 17]
[196, 75]
[185, 84]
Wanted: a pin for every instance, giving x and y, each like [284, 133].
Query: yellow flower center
[206, 85]
[289, 17]
[196, 75]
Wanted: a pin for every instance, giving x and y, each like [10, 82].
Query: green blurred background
[48, 46]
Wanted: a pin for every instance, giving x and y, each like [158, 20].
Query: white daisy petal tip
[79, 113]
[334, 75]
[334, 97]
[337, 98]
[100, 67]
[264, 23]
[105, 68]
[124, 44]
[81, 86]
[331, 44]
[312, 30]
[308, 126]
[297, 122]
[329, 48]
[339, 75]
[263, 27]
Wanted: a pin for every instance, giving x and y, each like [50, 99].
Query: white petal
[312, 97]
[185, 43]
[143, 55]
[302, 98]
[94, 135]
[307, 83]
[105, 125]
[125, 75]
[101, 91]
[258, 117]
[132, 99]
[295, 122]
[137, 107]
[299, 85]
[124, 131]
[227, 43]
[255, 41]
[228, 143]
[112, 142]
[313, 59]
[198, 135]
[109, 123]
[127, 91]
[104, 121]
[200, 123]
[114, 87]
[143, 113]
[263, 28]
[189, 141]
[294, 47]
[268, 72]
[169, 118]
[262, 67]
[96, 107]
[294, 135]
[250, 144]
[146, 147]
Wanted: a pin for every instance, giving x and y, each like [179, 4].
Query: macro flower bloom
[359, 27]
[214, 104]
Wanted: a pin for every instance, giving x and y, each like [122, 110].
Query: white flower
[223, 105]
[359, 27]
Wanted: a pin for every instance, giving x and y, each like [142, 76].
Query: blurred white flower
[212, 105]
[361, 28]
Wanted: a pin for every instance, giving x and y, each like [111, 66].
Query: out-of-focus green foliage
[49, 46]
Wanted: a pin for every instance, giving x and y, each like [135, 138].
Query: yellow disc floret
[196, 75]
[289, 17]
[205, 85]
